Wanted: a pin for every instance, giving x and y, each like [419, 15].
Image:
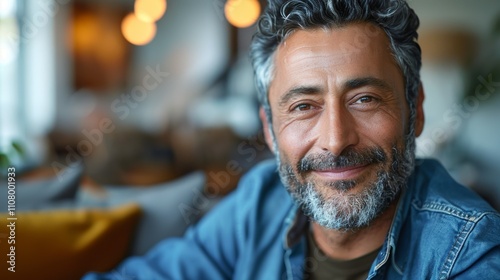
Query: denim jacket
[441, 230]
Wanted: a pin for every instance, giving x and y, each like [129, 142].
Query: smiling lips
[341, 173]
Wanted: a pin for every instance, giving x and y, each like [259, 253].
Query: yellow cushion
[65, 244]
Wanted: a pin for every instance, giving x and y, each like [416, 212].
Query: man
[341, 106]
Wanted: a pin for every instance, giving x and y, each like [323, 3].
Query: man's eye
[365, 99]
[302, 107]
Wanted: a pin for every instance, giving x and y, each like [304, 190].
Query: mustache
[348, 158]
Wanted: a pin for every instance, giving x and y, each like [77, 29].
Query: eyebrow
[301, 90]
[366, 81]
[348, 85]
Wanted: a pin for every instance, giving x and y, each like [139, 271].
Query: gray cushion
[35, 194]
[168, 209]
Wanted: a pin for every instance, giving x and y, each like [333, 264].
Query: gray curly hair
[282, 17]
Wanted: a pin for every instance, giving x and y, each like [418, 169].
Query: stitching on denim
[462, 235]
[455, 250]
[445, 209]
[465, 237]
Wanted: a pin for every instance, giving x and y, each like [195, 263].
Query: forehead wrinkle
[302, 56]
[292, 50]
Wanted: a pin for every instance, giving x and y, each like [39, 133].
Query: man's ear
[420, 118]
[265, 127]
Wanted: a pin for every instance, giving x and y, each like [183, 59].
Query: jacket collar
[389, 248]
[296, 224]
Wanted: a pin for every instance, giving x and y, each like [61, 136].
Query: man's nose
[337, 130]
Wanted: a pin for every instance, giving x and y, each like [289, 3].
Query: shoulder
[262, 186]
[263, 172]
[435, 190]
[262, 178]
[455, 213]
[259, 204]
[448, 228]
[260, 197]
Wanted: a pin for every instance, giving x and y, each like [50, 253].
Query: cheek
[382, 130]
[294, 140]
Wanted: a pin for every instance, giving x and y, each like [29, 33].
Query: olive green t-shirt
[318, 266]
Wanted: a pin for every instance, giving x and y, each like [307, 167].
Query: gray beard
[350, 212]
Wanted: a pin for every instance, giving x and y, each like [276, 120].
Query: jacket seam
[459, 249]
[456, 249]
[445, 209]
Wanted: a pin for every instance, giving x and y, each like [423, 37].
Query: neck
[347, 245]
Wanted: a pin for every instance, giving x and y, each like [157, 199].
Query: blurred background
[142, 93]
[171, 83]
[146, 91]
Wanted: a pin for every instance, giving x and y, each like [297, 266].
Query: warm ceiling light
[136, 31]
[150, 10]
[242, 13]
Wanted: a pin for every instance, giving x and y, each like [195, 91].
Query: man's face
[340, 119]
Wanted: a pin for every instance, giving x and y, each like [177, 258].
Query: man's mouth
[341, 173]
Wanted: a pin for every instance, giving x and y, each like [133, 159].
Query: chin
[346, 204]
